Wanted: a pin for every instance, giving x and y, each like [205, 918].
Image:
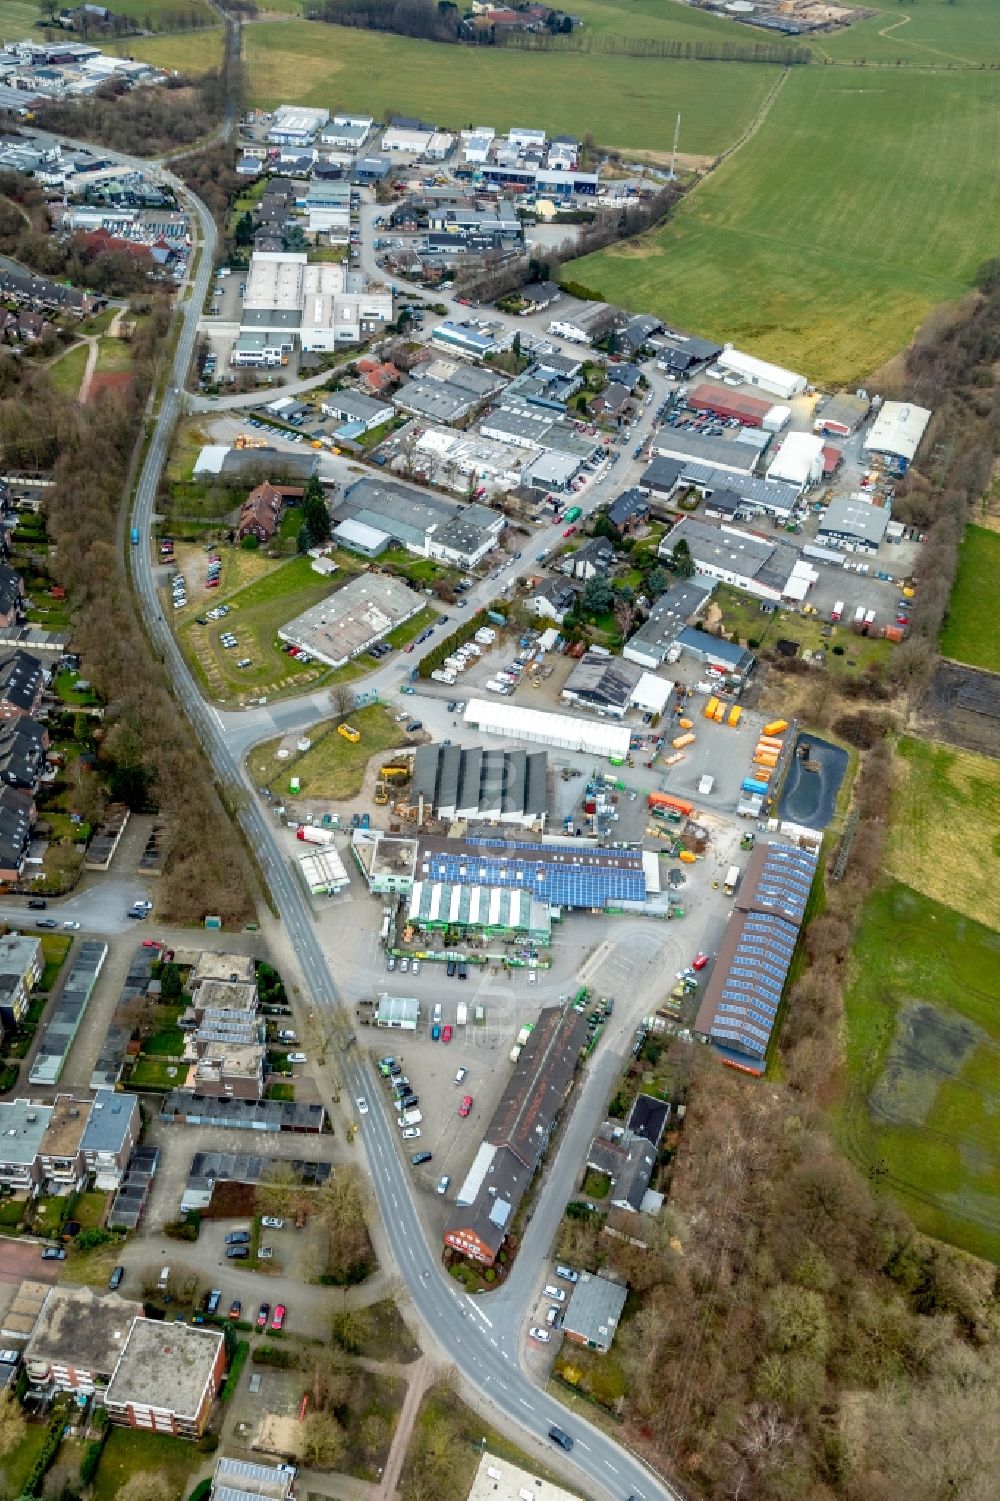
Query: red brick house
[260, 515]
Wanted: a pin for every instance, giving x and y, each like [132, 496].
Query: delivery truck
[310, 834]
[732, 880]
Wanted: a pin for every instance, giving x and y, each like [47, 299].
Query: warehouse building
[383, 511]
[842, 415]
[853, 525]
[733, 557]
[725, 656]
[896, 434]
[727, 454]
[321, 304]
[602, 683]
[761, 374]
[798, 461]
[353, 618]
[362, 413]
[292, 125]
[562, 730]
[454, 459]
[741, 1001]
[517, 1136]
[752, 411]
[497, 786]
[578, 876]
[483, 912]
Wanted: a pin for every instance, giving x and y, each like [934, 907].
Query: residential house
[23, 1124]
[626, 374]
[11, 595]
[638, 331]
[551, 600]
[377, 376]
[261, 512]
[612, 403]
[539, 294]
[22, 682]
[110, 1136]
[78, 1339]
[167, 1378]
[60, 1151]
[23, 743]
[628, 511]
[625, 1157]
[594, 559]
[17, 816]
[21, 965]
[234, 968]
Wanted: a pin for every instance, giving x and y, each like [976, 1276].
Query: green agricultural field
[860, 202]
[666, 21]
[923, 1047]
[621, 101]
[970, 632]
[945, 808]
[933, 32]
[19, 18]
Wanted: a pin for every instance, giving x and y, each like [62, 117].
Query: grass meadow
[970, 632]
[945, 839]
[935, 33]
[923, 1048]
[859, 204]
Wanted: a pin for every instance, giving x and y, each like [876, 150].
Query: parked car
[237, 1253]
[555, 1293]
[265, 1253]
[263, 1314]
[116, 1279]
[435, 1033]
[235, 1309]
[447, 1034]
[279, 1316]
[297, 1057]
[461, 1075]
[411, 1133]
[541, 1335]
[466, 1106]
[213, 1301]
[567, 1273]
[444, 1184]
[238, 1238]
[420, 1157]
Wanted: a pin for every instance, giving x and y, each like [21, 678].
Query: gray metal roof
[109, 1123]
[595, 1307]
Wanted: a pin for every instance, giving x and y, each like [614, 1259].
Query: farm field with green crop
[970, 632]
[621, 101]
[933, 32]
[822, 243]
[923, 1047]
[190, 52]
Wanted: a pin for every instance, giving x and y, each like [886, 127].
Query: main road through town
[480, 1337]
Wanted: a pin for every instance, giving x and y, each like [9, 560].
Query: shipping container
[775, 727]
[734, 715]
[687, 857]
[666, 802]
[711, 707]
[686, 724]
[770, 742]
[720, 712]
[682, 741]
[754, 784]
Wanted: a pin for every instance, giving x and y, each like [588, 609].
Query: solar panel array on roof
[562, 875]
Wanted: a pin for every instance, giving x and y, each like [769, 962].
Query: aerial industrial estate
[570, 676]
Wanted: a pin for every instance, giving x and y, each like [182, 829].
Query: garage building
[752, 411]
[842, 415]
[502, 786]
[759, 373]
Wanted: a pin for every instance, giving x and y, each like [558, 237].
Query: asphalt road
[484, 1351]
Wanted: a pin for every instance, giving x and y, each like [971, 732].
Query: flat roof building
[167, 1378]
[566, 731]
[499, 1480]
[23, 1124]
[722, 453]
[604, 684]
[580, 874]
[853, 525]
[353, 618]
[398, 1012]
[667, 617]
[594, 1312]
[798, 461]
[246, 1480]
[78, 1339]
[760, 373]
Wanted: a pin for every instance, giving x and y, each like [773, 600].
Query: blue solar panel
[562, 875]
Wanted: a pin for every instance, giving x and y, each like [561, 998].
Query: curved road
[486, 1356]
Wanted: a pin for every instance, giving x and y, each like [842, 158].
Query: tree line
[413, 18]
[657, 47]
[141, 122]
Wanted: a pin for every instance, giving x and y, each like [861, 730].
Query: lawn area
[923, 1033]
[167, 1043]
[670, 22]
[258, 609]
[411, 628]
[946, 814]
[190, 52]
[19, 1463]
[89, 1209]
[65, 686]
[332, 767]
[157, 1073]
[934, 32]
[130, 1451]
[113, 354]
[66, 373]
[630, 102]
[418, 570]
[856, 207]
[383, 1334]
[970, 631]
[741, 613]
[55, 947]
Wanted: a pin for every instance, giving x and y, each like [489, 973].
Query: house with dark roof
[612, 403]
[17, 817]
[552, 600]
[11, 595]
[516, 1138]
[23, 743]
[627, 1159]
[626, 374]
[648, 1117]
[22, 682]
[261, 512]
[638, 331]
[594, 559]
[628, 510]
[539, 294]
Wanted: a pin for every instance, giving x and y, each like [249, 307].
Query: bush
[465, 632]
[250, 544]
[91, 1459]
[202, 1491]
[47, 1453]
[208, 1443]
[89, 1240]
[187, 1228]
[838, 651]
